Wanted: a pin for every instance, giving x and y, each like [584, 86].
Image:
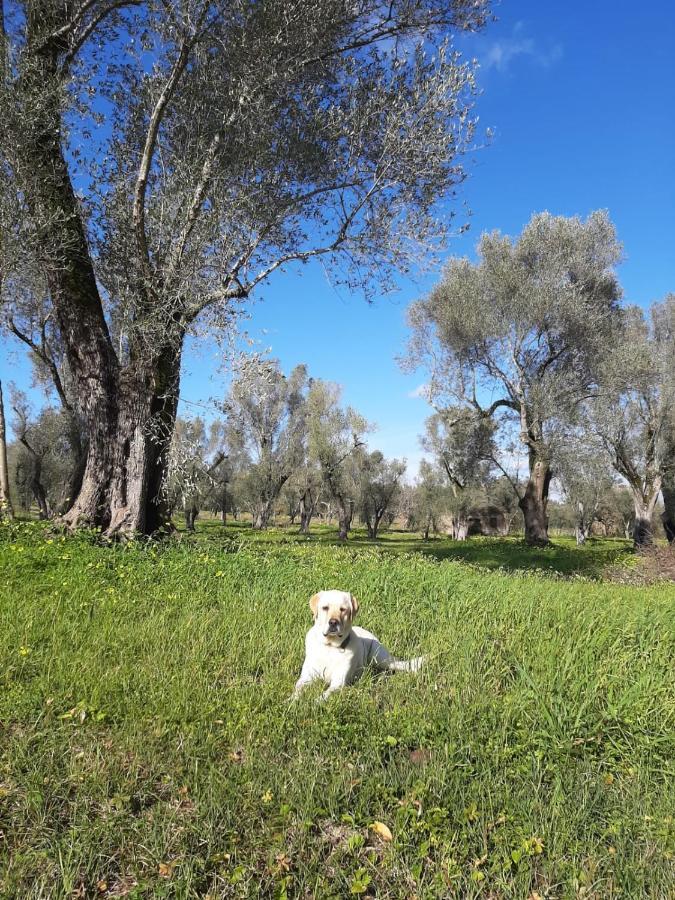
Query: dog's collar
[345, 642]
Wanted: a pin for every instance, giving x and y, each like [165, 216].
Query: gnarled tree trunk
[122, 486]
[668, 517]
[645, 503]
[534, 503]
[307, 507]
[191, 513]
[345, 516]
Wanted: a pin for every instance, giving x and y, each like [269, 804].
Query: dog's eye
[324, 608]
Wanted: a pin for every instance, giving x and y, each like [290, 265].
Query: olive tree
[462, 445]
[44, 456]
[430, 499]
[335, 441]
[164, 159]
[515, 336]
[269, 413]
[586, 480]
[29, 317]
[195, 458]
[379, 484]
[634, 412]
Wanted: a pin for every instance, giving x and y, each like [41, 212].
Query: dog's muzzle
[333, 626]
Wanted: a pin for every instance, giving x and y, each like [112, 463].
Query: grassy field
[148, 749]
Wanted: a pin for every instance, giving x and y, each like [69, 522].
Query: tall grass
[148, 748]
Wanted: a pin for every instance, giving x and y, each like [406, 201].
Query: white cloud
[420, 391]
[500, 54]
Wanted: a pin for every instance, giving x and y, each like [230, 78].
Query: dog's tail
[407, 665]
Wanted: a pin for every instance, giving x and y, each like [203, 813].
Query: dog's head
[334, 612]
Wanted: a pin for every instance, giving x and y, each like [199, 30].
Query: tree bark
[223, 506]
[122, 486]
[534, 502]
[645, 503]
[191, 513]
[6, 508]
[263, 514]
[36, 486]
[307, 508]
[668, 517]
[345, 516]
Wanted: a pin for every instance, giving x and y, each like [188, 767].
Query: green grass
[147, 748]
[562, 557]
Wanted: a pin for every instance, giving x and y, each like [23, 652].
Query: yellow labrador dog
[337, 652]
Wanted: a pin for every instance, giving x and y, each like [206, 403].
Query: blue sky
[580, 98]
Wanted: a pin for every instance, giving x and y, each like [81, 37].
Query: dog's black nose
[333, 622]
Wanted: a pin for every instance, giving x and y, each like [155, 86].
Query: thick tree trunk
[345, 516]
[122, 486]
[645, 503]
[263, 514]
[6, 508]
[306, 513]
[534, 501]
[69, 272]
[668, 517]
[191, 513]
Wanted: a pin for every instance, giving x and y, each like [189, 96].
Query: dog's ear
[314, 604]
[355, 605]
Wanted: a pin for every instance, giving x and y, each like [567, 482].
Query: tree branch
[40, 350]
[138, 215]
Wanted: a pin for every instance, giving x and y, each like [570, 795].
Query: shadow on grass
[562, 557]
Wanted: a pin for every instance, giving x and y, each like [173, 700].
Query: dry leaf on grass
[382, 831]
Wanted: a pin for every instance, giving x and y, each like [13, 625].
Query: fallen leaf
[382, 830]
[166, 869]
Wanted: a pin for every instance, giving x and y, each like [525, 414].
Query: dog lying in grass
[337, 651]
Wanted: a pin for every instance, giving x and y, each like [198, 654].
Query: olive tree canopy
[165, 157]
[634, 413]
[517, 334]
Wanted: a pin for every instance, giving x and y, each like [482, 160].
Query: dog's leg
[306, 678]
[385, 662]
[335, 685]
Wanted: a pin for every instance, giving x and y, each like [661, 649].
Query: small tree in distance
[379, 484]
[268, 411]
[462, 444]
[335, 440]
